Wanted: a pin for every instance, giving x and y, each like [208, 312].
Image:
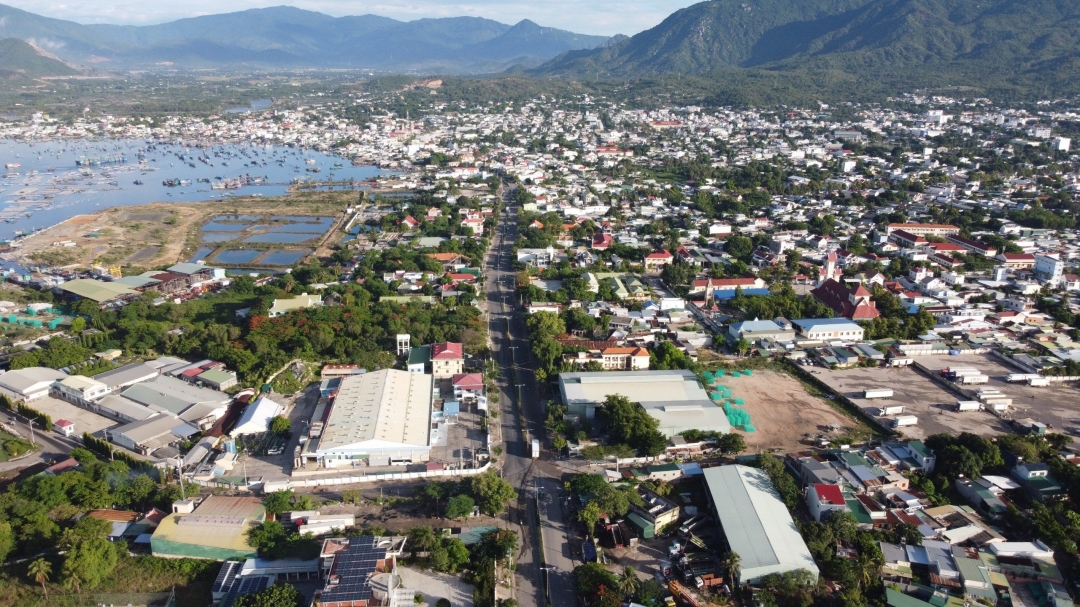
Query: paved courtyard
[84, 419]
[435, 586]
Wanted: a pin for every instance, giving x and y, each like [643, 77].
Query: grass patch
[12, 446]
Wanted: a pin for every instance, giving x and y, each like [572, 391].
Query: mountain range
[832, 46]
[920, 42]
[289, 37]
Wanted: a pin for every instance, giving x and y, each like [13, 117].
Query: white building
[1049, 269]
[256, 417]
[79, 389]
[674, 398]
[30, 383]
[827, 329]
[378, 419]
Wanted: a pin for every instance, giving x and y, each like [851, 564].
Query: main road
[536, 480]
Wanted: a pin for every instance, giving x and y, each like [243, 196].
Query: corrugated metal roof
[757, 524]
[97, 290]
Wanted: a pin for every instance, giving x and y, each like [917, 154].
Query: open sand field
[783, 412]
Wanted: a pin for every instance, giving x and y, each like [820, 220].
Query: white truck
[891, 410]
[905, 420]
[535, 448]
[1019, 377]
[878, 393]
[1039, 382]
[968, 380]
[967, 405]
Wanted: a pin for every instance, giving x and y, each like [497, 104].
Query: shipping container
[535, 448]
[965, 372]
[891, 410]
[1039, 382]
[1019, 377]
[968, 405]
[974, 379]
[905, 420]
[878, 393]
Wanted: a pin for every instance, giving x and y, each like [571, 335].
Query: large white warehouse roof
[757, 524]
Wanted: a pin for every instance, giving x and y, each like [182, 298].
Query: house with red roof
[906, 239]
[63, 426]
[475, 224]
[410, 221]
[1017, 261]
[601, 241]
[656, 261]
[851, 304]
[468, 385]
[823, 500]
[447, 360]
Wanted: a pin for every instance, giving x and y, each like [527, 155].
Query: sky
[601, 17]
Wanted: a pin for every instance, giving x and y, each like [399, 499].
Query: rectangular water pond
[237, 256]
[281, 238]
[282, 258]
[321, 225]
[216, 226]
[220, 236]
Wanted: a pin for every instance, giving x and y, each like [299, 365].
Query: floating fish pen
[100, 160]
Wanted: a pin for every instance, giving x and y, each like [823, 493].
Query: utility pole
[180, 476]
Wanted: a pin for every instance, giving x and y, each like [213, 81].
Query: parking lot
[464, 437]
[1057, 406]
[84, 419]
[277, 465]
[920, 396]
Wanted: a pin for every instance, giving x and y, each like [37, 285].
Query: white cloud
[603, 17]
[47, 44]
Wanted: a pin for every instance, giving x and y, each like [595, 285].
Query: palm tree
[868, 568]
[733, 564]
[628, 581]
[73, 583]
[39, 571]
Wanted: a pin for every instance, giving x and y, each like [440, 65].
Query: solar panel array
[225, 577]
[246, 585]
[353, 568]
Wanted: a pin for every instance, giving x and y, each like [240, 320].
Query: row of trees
[457, 499]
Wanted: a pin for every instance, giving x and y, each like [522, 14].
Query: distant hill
[286, 37]
[18, 57]
[973, 42]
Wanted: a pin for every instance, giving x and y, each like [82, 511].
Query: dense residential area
[558, 351]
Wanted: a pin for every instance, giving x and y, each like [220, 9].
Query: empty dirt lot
[921, 397]
[783, 412]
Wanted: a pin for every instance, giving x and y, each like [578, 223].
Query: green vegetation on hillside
[19, 57]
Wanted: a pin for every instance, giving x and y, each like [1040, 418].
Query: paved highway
[510, 349]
